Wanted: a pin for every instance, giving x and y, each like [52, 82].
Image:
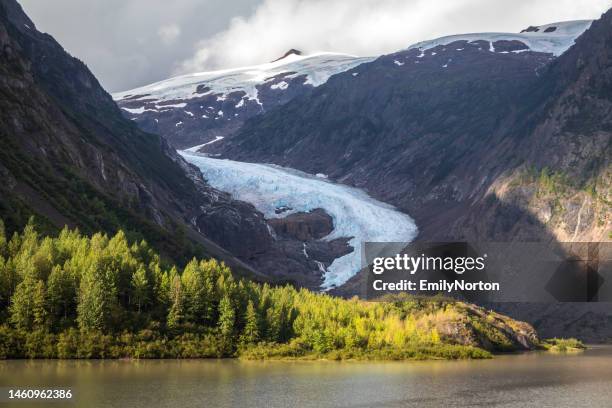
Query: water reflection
[533, 379]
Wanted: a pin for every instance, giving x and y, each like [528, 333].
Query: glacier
[356, 215]
[317, 68]
[553, 42]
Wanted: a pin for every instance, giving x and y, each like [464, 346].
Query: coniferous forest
[74, 296]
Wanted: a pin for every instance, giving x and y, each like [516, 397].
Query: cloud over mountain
[368, 27]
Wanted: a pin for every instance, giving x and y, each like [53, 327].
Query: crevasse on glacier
[356, 215]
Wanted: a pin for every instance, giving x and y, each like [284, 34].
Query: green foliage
[2, 239]
[98, 291]
[563, 345]
[250, 334]
[28, 309]
[551, 182]
[74, 296]
[140, 288]
[227, 320]
[176, 312]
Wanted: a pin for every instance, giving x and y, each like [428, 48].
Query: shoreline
[317, 358]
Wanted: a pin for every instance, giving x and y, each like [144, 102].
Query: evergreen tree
[197, 293]
[28, 311]
[2, 240]
[61, 295]
[97, 298]
[176, 313]
[140, 288]
[273, 323]
[7, 282]
[227, 318]
[250, 334]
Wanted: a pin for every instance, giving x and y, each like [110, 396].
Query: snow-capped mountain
[207, 107]
[433, 127]
[201, 107]
[553, 38]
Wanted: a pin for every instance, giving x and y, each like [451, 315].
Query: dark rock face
[292, 51]
[237, 228]
[300, 255]
[591, 322]
[199, 119]
[202, 118]
[304, 226]
[300, 263]
[294, 252]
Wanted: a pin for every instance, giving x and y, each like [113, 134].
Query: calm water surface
[527, 380]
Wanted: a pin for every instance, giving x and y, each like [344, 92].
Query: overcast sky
[128, 43]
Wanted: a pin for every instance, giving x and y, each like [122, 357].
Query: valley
[476, 137]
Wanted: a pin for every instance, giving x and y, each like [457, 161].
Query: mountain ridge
[197, 108]
[437, 124]
[69, 157]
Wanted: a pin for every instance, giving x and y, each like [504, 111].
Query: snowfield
[356, 215]
[553, 42]
[318, 68]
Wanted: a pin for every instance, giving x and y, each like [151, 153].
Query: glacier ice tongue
[355, 214]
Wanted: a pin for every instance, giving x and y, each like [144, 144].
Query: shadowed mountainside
[70, 157]
[448, 132]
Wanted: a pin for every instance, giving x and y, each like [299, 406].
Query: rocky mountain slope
[70, 157]
[482, 136]
[478, 137]
[208, 106]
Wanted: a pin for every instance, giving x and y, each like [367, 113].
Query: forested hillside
[74, 296]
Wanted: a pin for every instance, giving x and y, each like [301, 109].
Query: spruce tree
[197, 293]
[97, 298]
[140, 288]
[61, 294]
[3, 239]
[176, 312]
[28, 305]
[250, 334]
[227, 318]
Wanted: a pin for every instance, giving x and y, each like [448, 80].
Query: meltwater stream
[355, 214]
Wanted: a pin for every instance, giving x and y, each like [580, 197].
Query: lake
[536, 379]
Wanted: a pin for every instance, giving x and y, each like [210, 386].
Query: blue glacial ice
[355, 214]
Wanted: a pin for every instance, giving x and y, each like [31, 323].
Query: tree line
[100, 296]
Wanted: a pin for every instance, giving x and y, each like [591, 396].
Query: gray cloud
[128, 43]
[169, 33]
[371, 27]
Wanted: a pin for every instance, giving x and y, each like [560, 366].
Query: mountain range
[440, 129]
[485, 136]
[490, 136]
